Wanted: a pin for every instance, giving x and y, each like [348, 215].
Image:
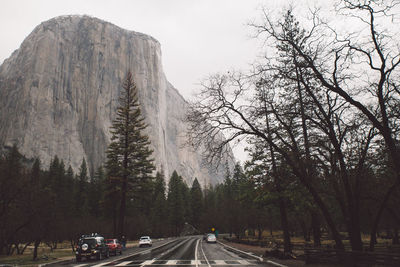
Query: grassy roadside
[45, 255]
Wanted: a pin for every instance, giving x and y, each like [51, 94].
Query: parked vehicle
[114, 246]
[145, 241]
[211, 238]
[91, 246]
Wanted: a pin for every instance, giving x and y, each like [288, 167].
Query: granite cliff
[59, 92]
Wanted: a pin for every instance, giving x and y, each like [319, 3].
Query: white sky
[198, 37]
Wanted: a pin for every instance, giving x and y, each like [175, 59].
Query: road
[185, 251]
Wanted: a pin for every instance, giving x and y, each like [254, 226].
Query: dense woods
[320, 112]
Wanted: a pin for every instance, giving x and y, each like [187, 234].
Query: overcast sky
[198, 37]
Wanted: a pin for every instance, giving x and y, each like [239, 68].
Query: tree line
[53, 205]
[320, 112]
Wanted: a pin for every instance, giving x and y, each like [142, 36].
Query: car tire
[120, 252]
[78, 259]
[99, 256]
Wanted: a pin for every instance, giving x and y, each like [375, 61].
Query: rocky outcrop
[59, 92]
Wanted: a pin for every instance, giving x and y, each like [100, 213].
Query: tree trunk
[374, 228]
[287, 248]
[35, 249]
[23, 249]
[316, 228]
[122, 208]
[395, 240]
[355, 233]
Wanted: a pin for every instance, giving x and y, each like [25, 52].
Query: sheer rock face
[59, 92]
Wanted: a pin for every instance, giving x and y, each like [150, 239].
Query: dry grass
[63, 252]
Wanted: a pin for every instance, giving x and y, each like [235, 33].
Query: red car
[114, 246]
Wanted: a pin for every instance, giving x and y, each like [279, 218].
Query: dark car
[91, 246]
[114, 246]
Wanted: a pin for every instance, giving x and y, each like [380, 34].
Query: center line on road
[201, 245]
[195, 252]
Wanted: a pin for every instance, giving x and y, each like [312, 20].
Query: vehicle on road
[211, 238]
[205, 236]
[90, 246]
[114, 246]
[145, 241]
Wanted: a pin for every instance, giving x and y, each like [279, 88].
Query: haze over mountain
[59, 92]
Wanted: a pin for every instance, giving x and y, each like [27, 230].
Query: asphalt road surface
[185, 251]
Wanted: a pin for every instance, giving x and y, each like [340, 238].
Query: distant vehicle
[211, 238]
[114, 246]
[205, 236]
[91, 246]
[145, 241]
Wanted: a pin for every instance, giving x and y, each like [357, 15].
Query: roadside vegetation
[320, 112]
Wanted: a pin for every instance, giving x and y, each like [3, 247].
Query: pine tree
[159, 207]
[176, 205]
[128, 156]
[81, 189]
[196, 203]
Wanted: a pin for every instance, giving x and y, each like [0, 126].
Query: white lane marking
[195, 252]
[243, 262]
[171, 262]
[100, 264]
[195, 262]
[124, 263]
[220, 262]
[204, 255]
[276, 264]
[140, 252]
[80, 265]
[241, 251]
[149, 262]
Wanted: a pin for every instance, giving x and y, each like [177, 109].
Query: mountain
[59, 92]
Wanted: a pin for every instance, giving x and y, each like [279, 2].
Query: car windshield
[211, 235]
[144, 237]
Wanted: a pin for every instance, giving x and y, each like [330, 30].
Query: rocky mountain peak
[59, 92]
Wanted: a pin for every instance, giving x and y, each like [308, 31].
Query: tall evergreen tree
[176, 205]
[128, 154]
[81, 189]
[159, 206]
[196, 203]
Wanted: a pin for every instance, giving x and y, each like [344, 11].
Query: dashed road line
[204, 255]
[124, 263]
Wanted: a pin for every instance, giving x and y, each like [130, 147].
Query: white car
[211, 238]
[145, 241]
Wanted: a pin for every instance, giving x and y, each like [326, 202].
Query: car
[211, 238]
[92, 245]
[145, 241]
[114, 246]
[205, 236]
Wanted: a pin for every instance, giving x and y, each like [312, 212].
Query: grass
[43, 252]
[63, 251]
